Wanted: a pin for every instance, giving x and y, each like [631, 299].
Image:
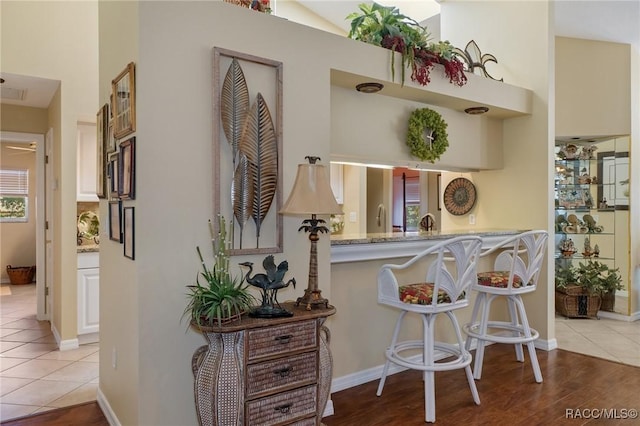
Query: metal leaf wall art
[235, 106]
[251, 135]
[258, 143]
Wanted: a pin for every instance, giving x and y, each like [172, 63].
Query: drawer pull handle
[283, 372]
[284, 409]
[283, 340]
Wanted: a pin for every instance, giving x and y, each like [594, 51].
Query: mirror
[383, 199]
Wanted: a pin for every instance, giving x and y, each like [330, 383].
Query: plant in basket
[221, 297]
[599, 277]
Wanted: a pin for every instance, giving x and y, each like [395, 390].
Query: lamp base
[312, 299]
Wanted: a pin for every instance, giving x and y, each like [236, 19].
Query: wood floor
[508, 392]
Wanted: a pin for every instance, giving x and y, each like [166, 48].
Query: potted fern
[217, 296]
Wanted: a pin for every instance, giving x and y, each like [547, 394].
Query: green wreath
[419, 121]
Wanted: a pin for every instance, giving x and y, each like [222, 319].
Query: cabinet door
[88, 300]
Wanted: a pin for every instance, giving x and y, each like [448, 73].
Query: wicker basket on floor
[576, 302]
[21, 274]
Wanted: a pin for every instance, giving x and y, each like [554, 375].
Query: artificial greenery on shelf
[387, 27]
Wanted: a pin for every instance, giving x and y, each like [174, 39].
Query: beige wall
[120, 311]
[59, 25]
[18, 239]
[14, 118]
[593, 96]
[523, 200]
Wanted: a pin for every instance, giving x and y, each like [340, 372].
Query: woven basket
[578, 305]
[21, 274]
[608, 301]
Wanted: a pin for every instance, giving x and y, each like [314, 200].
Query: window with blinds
[14, 195]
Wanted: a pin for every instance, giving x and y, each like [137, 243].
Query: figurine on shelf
[590, 222]
[587, 152]
[594, 179]
[568, 152]
[588, 251]
[596, 251]
[603, 204]
[567, 248]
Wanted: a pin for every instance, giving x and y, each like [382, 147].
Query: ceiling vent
[8, 93]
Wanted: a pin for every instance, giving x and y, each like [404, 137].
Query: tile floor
[603, 338]
[34, 375]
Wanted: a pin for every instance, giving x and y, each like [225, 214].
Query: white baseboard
[84, 339]
[106, 409]
[619, 317]
[64, 345]
[328, 410]
[546, 345]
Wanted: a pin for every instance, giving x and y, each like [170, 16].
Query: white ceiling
[606, 20]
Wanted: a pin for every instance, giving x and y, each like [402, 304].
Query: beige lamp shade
[311, 193]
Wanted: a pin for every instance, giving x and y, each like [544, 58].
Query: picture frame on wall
[129, 232]
[111, 140]
[115, 221]
[124, 102]
[102, 130]
[126, 169]
[113, 171]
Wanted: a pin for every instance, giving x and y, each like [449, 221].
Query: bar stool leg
[537, 373]
[391, 348]
[515, 323]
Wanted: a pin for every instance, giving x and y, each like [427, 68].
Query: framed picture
[102, 130]
[127, 170]
[111, 140]
[129, 232]
[113, 173]
[115, 221]
[124, 102]
[248, 89]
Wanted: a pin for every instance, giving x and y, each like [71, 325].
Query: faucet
[428, 222]
[381, 218]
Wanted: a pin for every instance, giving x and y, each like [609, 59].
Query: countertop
[388, 237]
[365, 247]
[88, 248]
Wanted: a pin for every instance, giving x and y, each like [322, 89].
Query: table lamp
[312, 195]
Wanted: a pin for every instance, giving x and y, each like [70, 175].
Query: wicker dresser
[265, 371]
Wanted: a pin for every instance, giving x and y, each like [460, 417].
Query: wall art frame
[115, 221]
[113, 173]
[127, 169]
[102, 130]
[123, 89]
[259, 84]
[128, 232]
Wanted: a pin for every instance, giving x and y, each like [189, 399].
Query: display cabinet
[584, 209]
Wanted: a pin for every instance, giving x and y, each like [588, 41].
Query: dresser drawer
[281, 373]
[282, 339]
[282, 407]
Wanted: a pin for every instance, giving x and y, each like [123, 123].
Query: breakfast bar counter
[359, 247]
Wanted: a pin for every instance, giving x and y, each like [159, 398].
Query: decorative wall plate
[459, 196]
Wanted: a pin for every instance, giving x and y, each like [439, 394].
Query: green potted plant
[387, 27]
[221, 297]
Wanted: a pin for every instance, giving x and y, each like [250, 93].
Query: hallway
[34, 375]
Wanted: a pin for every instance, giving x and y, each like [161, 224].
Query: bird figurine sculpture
[269, 283]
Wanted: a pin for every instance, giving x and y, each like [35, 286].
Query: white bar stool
[444, 289]
[516, 272]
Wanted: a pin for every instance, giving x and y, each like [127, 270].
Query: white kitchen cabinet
[88, 293]
[337, 185]
[87, 161]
